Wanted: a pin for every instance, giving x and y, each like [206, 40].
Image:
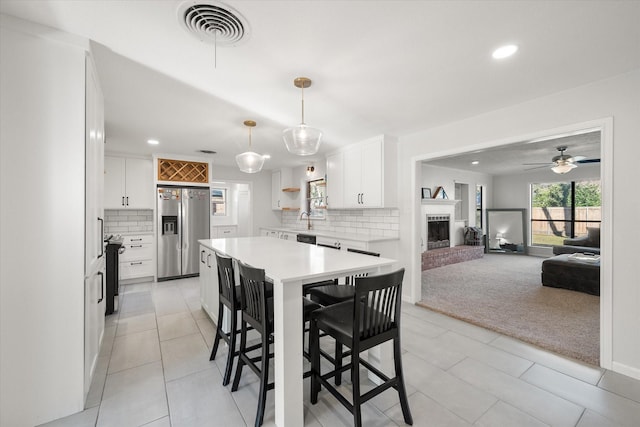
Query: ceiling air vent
[213, 22]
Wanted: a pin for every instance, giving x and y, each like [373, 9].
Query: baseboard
[626, 370]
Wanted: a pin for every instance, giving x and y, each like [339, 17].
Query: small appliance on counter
[114, 249]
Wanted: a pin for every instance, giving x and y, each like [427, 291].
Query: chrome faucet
[308, 219]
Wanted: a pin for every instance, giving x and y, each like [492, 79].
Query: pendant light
[250, 162]
[302, 139]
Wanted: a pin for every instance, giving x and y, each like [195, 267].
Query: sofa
[589, 243]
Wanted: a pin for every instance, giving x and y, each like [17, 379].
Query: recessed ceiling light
[505, 51]
[475, 162]
[153, 141]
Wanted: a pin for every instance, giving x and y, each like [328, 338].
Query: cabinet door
[114, 185]
[94, 304]
[371, 175]
[276, 191]
[352, 177]
[139, 184]
[335, 181]
[94, 171]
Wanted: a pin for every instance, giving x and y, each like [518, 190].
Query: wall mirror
[506, 232]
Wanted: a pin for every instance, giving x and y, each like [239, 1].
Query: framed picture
[426, 193]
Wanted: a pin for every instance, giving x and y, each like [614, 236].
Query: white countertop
[286, 260]
[333, 235]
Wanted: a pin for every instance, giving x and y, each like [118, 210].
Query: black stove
[114, 249]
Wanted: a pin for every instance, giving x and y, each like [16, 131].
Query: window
[219, 201]
[562, 210]
[479, 206]
[317, 198]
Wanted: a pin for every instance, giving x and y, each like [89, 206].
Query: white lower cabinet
[224, 231]
[209, 283]
[137, 260]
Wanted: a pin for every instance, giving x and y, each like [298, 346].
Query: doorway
[604, 126]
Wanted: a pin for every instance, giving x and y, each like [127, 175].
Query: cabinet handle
[136, 246]
[136, 263]
[201, 255]
[127, 200]
[101, 240]
[226, 232]
[136, 240]
[101, 286]
[122, 200]
[208, 258]
[362, 198]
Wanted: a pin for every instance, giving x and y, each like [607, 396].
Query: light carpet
[504, 293]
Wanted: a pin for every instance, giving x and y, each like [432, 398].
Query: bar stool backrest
[226, 281]
[253, 297]
[377, 306]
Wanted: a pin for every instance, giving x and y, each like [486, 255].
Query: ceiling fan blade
[588, 161]
[532, 164]
[538, 167]
[576, 159]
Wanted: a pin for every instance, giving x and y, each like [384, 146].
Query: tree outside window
[317, 198]
[563, 210]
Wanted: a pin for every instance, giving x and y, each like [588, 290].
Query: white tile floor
[154, 370]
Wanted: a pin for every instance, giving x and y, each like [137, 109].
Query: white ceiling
[392, 67]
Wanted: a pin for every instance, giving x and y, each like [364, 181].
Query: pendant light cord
[302, 89]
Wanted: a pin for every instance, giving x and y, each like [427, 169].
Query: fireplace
[438, 231]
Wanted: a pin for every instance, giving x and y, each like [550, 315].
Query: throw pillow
[593, 235]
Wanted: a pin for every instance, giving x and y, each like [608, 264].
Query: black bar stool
[229, 296]
[257, 311]
[371, 318]
[334, 293]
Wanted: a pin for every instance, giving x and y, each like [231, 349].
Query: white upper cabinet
[283, 192]
[363, 175]
[335, 181]
[128, 183]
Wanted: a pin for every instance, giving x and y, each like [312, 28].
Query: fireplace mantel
[439, 202]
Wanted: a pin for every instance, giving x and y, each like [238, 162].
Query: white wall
[433, 176]
[616, 98]
[41, 225]
[260, 182]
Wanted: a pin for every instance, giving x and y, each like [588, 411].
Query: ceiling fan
[563, 162]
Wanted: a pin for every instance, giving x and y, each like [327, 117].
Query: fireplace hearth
[438, 231]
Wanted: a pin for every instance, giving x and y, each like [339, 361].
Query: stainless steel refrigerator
[183, 219]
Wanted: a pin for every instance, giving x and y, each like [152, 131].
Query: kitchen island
[290, 265]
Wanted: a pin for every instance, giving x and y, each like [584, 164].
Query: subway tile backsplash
[371, 222]
[128, 221]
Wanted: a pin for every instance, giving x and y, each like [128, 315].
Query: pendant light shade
[249, 161]
[302, 140]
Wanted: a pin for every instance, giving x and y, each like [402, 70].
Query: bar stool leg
[264, 380]
[232, 350]
[219, 332]
[355, 376]
[241, 352]
[402, 391]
